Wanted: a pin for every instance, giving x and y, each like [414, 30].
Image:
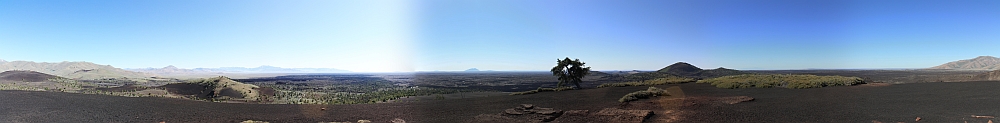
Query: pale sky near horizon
[428, 35]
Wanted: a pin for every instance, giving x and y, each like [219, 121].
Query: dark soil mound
[193, 89]
[26, 76]
[230, 92]
[680, 68]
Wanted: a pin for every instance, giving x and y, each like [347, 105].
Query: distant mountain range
[74, 70]
[978, 63]
[262, 69]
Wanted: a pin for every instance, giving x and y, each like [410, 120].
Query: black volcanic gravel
[28, 106]
[933, 102]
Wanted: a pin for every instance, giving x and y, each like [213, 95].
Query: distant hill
[165, 70]
[262, 69]
[687, 70]
[472, 70]
[598, 73]
[680, 68]
[25, 76]
[978, 63]
[74, 70]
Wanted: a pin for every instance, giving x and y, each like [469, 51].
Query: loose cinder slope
[25, 76]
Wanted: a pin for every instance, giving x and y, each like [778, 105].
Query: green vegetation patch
[646, 76]
[540, 89]
[658, 81]
[651, 92]
[781, 80]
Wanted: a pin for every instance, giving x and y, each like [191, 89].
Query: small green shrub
[781, 80]
[651, 92]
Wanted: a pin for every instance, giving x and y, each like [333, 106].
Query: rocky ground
[931, 102]
[33, 106]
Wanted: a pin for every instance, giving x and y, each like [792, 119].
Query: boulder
[527, 106]
[398, 120]
[513, 112]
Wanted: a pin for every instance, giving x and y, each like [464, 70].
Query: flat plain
[890, 96]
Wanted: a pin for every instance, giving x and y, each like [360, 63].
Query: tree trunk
[578, 85]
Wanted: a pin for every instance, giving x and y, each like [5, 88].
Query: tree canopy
[570, 71]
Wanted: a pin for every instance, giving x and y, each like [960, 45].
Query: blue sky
[387, 36]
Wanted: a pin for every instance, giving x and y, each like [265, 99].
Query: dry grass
[781, 80]
[658, 81]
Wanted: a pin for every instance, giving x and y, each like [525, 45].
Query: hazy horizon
[519, 35]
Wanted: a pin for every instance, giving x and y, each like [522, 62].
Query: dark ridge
[26, 76]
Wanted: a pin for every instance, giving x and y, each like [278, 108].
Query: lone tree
[570, 71]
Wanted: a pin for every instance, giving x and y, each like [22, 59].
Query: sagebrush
[781, 80]
[651, 92]
[658, 81]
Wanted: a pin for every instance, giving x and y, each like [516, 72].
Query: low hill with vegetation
[781, 80]
[216, 88]
[718, 72]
